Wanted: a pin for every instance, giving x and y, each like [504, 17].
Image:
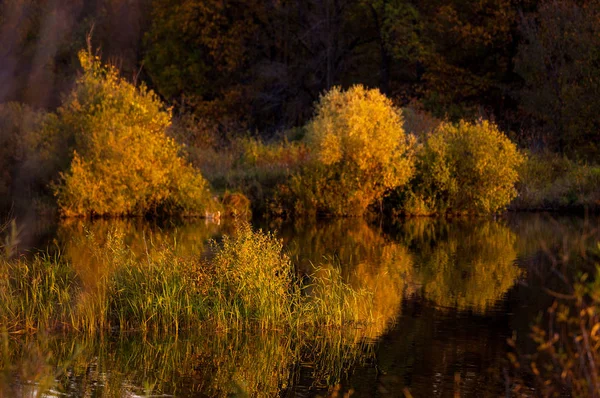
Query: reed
[248, 283]
[35, 294]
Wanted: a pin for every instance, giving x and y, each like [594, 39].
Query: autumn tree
[359, 152]
[464, 168]
[199, 53]
[122, 161]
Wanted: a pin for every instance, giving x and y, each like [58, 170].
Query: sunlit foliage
[122, 161]
[359, 152]
[464, 168]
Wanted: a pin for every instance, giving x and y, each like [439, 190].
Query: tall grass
[248, 283]
[251, 280]
[35, 293]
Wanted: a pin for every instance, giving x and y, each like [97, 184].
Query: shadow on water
[446, 294]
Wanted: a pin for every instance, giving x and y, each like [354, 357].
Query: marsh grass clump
[158, 295]
[249, 282]
[250, 279]
[335, 303]
[36, 293]
[151, 292]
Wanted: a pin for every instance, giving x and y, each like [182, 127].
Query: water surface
[447, 293]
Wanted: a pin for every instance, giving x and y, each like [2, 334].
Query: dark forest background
[237, 66]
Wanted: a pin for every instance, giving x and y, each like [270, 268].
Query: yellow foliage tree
[123, 162]
[359, 151]
[464, 168]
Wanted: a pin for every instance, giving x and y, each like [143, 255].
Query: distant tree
[25, 167]
[465, 54]
[199, 53]
[559, 62]
[261, 62]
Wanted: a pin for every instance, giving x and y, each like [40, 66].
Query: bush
[122, 161]
[464, 168]
[359, 151]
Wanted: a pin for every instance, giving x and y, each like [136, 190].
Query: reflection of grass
[246, 364]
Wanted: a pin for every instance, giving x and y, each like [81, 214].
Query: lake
[447, 294]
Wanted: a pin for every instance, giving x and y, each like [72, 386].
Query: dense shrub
[359, 151]
[122, 161]
[463, 168]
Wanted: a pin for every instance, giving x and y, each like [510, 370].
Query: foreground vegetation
[247, 283]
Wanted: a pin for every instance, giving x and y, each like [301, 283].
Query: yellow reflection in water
[464, 264]
[369, 261]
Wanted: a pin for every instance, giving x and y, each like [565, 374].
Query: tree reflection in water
[458, 266]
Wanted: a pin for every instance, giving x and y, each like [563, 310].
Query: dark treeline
[532, 66]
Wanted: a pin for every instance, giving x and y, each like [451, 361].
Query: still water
[448, 294]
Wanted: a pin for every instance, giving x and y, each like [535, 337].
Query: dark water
[447, 295]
